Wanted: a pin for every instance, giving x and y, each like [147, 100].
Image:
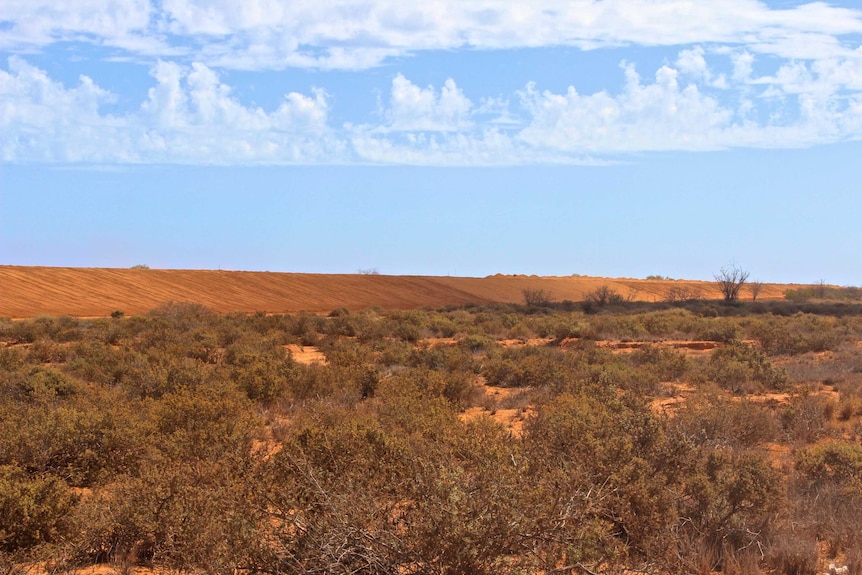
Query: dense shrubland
[195, 441]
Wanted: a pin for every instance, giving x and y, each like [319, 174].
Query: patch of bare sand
[306, 354]
[778, 455]
[47, 568]
[431, 342]
[686, 347]
[680, 392]
[512, 418]
[531, 342]
[689, 347]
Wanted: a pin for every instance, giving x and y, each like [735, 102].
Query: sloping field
[31, 291]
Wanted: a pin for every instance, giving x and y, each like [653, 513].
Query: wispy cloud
[356, 34]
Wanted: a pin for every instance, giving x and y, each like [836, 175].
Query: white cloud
[441, 149]
[126, 24]
[658, 116]
[664, 114]
[840, 73]
[693, 63]
[354, 34]
[743, 63]
[43, 121]
[189, 116]
[412, 108]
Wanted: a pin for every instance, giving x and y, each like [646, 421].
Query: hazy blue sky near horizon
[463, 137]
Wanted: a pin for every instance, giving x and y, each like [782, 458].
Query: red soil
[87, 292]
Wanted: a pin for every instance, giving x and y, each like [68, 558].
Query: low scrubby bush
[719, 423]
[806, 417]
[34, 509]
[188, 440]
[740, 368]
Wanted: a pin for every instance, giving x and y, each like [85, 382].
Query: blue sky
[600, 137]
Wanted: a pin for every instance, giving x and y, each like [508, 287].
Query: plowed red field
[31, 291]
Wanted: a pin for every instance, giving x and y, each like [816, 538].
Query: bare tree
[755, 287]
[536, 296]
[820, 289]
[730, 281]
[680, 294]
[606, 295]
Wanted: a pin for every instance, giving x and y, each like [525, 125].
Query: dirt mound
[30, 291]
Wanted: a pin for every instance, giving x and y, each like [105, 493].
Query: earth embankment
[84, 292]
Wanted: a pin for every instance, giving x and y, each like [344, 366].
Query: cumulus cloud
[743, 63]
[668, 114]
[412, 108]
[662, 115]
[44, 121]
[355, 34]
[189, 116]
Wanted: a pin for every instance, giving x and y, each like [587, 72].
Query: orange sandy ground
[92, 292]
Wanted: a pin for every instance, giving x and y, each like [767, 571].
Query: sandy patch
[306, 354]
[512, 416]
[431, 342]
[512, 419]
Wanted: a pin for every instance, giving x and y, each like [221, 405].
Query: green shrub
[44, 383]
[11, 358]
[668, 323]
[474, 343]
[719, 423]
[832, 462]
[799, 334]
[601, 455]
[603, 296]
[721, 329]
[828, 494]
[525, 367]
[33, 509]
[793, 555]
[99, 362]
[264, 378]
[536, 297]
[800, 295]
[733, 498]
[85, 439]
[805, 418]
[444, 357]
[46, 351]
[666, 364]
[205, 423]
[308, 327]
[740, 368]
[180, 514]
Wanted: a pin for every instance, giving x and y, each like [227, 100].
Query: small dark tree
[679, 294]
[730, 281]
[536, 296]
[606, 295]
[755, 288]
[820, 289]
